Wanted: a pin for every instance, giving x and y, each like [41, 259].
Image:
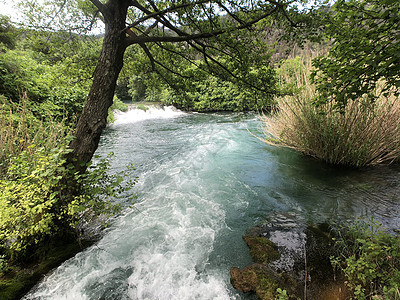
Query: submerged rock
[291, 256]
[261, 279]
[262, 250]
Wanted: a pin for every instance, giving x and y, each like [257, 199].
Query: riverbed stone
[244, 280]
[262, 250]
[286, 253]
[262, 280]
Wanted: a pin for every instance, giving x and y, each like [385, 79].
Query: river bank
[20, 278]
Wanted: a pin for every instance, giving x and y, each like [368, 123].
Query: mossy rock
[244, 280]
[262, 250]
[262, 280]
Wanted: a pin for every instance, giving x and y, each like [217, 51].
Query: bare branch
[150, 28]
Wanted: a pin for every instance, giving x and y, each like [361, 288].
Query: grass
[363, 134]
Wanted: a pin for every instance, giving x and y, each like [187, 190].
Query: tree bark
[94, 115]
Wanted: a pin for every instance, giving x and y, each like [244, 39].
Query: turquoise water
[203, 180]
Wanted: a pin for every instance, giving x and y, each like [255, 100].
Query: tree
[7, 32]
[200, 28]
[365, 51]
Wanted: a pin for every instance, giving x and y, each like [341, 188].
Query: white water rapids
[203, 180]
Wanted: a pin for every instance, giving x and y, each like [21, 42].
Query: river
[203, 180]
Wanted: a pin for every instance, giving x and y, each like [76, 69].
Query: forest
[322, 79]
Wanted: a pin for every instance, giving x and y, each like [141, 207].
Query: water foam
[161, 249]
[160, 252]
[134, 115]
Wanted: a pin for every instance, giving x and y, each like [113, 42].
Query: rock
[244, 280]
[262, 250]
[292, 255]
[262, 280]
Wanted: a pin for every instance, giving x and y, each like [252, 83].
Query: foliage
[199, 87]
[78, 15]
[3, 264]
[55, 75]
[100, 191]
[29, 199]
[8, 32]
[282, 294]
[19, 129]
[292, 75]
[35, 203]
[117, 105]
[362, 134]
[370, 260]
[211, 93]
[34, 200]
[365, 52]
[44, 80]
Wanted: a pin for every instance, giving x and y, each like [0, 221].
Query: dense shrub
[35, 203]
[56, 81]
[42, 90]
[212, 93]
[28, 199]
[370, 259]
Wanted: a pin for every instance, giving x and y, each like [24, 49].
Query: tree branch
[149, 55]
[184, 37]
[57, 13]
[233, 16]
[100, 6]
[160, 12]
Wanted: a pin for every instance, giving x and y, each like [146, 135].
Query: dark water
[204, 180]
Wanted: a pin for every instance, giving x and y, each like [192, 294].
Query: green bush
[117, 105]
[210, 93]
[20, 128]
[44, 80]
[36, 203]
[370, 259]
[29, 203]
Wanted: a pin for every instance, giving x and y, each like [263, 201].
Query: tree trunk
[94, 115]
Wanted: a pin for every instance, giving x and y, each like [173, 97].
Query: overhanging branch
[184, 37]
[155, 14]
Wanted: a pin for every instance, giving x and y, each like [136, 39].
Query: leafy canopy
[365, 54]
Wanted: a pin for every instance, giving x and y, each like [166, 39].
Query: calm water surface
[203, 180]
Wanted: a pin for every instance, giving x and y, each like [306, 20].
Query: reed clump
[364, 133]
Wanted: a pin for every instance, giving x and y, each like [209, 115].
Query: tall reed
[363, 134]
